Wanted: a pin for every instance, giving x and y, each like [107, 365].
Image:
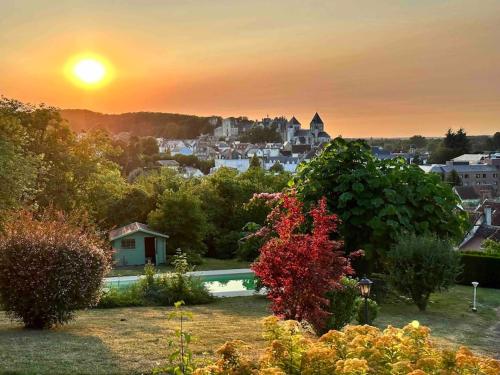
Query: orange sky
[370, 68]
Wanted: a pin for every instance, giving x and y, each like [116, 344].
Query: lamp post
[474, 284]
[364, 287]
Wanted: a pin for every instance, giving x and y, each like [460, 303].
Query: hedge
[485, 269]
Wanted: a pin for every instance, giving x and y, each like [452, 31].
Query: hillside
[157, 124]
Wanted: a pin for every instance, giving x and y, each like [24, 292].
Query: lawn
[134, 340]
[207, 265]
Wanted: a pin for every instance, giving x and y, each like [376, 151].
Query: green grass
[134, 340]
[450, 318]
[207, 265]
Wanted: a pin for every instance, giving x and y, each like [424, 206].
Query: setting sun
[89, 71]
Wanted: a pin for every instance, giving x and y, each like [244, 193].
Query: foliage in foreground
[297, 268]
[48, 269]
[160, 290]
[180, 359]
[421, 265]
[356, 350]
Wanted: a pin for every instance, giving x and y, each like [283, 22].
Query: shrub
[49, 268]
[342, 304]
[160, 290]
[361, 312]
[480, 267]
[297, 268]
[121, 297]
[491, 247]
[421, 265]
[356, 350]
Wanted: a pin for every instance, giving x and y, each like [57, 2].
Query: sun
[88, 71]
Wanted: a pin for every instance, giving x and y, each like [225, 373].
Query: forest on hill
[156, 124]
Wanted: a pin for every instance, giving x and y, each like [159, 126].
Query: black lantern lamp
[365, 286]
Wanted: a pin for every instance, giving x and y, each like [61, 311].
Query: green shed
[136, 244]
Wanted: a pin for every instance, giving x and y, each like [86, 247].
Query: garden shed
[136, 244]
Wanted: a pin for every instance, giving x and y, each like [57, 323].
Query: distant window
[495, 175]
[478, 175]
[128, 243]
[484, 175]
[466, 176]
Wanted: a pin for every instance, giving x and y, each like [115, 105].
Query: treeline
[44, 164]
[155, 124]
[457, 141]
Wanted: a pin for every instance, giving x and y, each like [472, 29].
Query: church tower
[316, 126]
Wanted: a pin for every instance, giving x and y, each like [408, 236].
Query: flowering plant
[356, 350]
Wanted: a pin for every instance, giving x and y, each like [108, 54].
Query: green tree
[277, 168]
[179, 214]
[18, 168]
[149, 146]
[493, 143]
[72, 172]
[457, 141]
[134, 205]
[421, 265]
[454, 144]
[377, 200]
[453, 178]
[418, 141]
[261, 135]
[255, 162]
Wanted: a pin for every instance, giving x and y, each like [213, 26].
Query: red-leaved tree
[298, 268]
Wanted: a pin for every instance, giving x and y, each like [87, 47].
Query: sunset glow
[88, 71]
[392, 70]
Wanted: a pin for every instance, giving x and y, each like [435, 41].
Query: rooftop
[132, 228]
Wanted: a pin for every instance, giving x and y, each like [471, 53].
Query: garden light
[474, 284]
[364, 287]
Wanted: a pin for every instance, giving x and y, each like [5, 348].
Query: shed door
[150, 251]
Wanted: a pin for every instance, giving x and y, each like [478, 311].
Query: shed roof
[133, 228]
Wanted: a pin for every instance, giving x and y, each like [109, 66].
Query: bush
[360, 311]
[356, 350]
[121, 297]
[48, 269]
[480, 267]
[160, 290]
[421, 265]
[342, 304]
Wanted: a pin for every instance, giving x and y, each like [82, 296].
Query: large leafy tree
[71, 172]
[18, 167]
[224, 196]
[455, 143]
[377, 200]
[180, 216]
[298, 268]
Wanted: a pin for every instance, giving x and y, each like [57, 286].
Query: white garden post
[474, 284]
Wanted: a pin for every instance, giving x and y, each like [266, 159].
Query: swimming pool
[221, 283]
